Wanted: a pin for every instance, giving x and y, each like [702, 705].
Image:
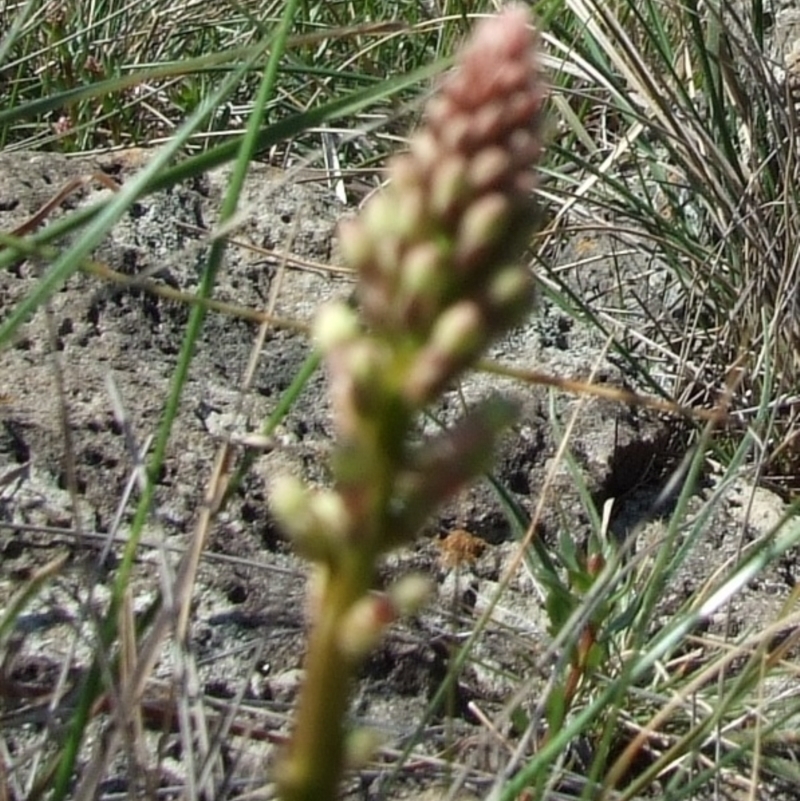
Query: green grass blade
[91, 687]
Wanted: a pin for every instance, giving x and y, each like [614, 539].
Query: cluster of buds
[435, 251]
[437, 281]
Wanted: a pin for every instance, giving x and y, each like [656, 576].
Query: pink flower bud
[465, 182]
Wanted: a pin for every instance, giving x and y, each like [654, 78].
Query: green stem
[314, 765]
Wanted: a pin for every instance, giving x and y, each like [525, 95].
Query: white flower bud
[363, 626]
[410, 593]
[361, 745]
[335, 324]
[288, 498]
[318, 522]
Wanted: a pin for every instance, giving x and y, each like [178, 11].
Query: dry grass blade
[700, 166]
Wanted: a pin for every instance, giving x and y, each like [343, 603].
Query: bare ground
[83, 389]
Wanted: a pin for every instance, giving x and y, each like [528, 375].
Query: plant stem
[314, 765]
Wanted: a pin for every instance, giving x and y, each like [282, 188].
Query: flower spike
[435, 254]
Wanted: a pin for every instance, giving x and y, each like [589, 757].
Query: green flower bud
[411, 213]
[489, 168]
[357, 373]
[449, 187]
[509, 295]
[380, 215]
[289, 502]
[456, 339]
[484, 224]
[361, 745]
[329, 512]
[318, 522]
[424, 279]
[460, 331]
